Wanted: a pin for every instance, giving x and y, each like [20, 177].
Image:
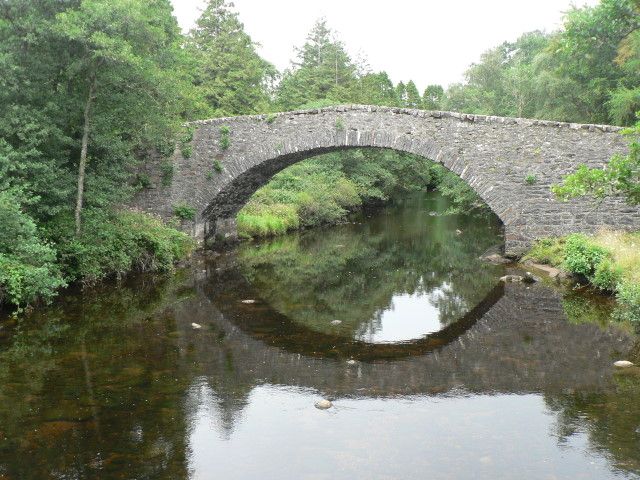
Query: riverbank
[326, 189]
[36, 264]
[609, 261]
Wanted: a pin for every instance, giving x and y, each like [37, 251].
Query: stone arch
[231, 198]
[493, 155]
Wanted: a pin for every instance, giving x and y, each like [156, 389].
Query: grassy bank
[35, 263]
[325, 189]
[609, 260]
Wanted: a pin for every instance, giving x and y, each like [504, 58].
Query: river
[434, 367]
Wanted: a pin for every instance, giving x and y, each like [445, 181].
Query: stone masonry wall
[493, 155]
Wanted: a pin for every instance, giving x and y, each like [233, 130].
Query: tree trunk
[83, 153]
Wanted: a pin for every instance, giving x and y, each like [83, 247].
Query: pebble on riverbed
[248, 301]
[623, 364]
[323, 404]
[196, 326]
[336, 322]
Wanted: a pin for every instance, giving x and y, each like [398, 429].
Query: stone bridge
[230, 158]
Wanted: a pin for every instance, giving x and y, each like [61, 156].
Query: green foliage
[549, 251]
[582, 256]
[585, 72]
[607, 275]
[186, 150]
[184, 211]
[225, 137]
[28, 269]
[166, 169]
[339, 123]
[230, 76]
[260, 220]
[531, 179]
[323, 70]
[217, 166]
[114, 243]
[432, 97]
[326, 188]
[621, 176]
[628, 296]
[317, 104]
[142, 181]
[464, 198]
[270, 118]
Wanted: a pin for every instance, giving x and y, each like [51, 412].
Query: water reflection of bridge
[518, 341]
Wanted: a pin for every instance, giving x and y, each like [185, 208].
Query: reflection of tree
[611, 420]
[351, 272]
[96, 375]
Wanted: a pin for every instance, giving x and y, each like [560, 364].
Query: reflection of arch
[275, 329]
[492, 154]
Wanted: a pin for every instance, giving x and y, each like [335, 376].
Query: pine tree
[230, 74]
[414, 100]
[323, 71]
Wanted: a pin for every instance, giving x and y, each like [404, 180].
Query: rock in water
[248, 301]
[496, 259]
[623, 364]
[511, 278]
[196, 326]
[323, 404]
[351, 362]
[336, 322]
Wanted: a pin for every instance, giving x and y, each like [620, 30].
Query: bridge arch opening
[221, 213]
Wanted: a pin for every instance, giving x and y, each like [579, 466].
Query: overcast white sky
[427, 41]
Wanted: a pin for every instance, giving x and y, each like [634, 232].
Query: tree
[376, 89]
[580, 64]
[401, 94]
[123, 57]
[414, 100]
[229, 73]
[432, 97]
[323, 70]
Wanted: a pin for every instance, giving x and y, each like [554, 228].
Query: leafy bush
[113, 243]
[628, 296]
[166, 169]
[217, 166]
[184, 211]
[531, 179]
[549, 251]
[607, 275]
[28, 269]
[225, 138]
[270, 118]
[582, 256]
[186, 150]
[142, 181]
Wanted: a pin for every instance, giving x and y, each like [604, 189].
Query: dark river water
[435, 368]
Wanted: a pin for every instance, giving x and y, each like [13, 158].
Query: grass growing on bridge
[609, 260]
